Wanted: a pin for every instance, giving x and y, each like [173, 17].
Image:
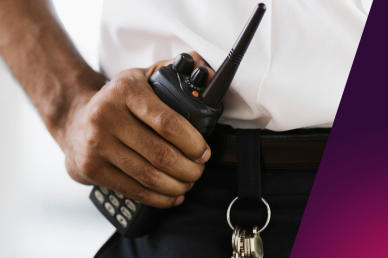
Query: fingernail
[179, 200]
[191, 186]
[205, 157]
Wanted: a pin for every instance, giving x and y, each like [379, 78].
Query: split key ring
[268, 212]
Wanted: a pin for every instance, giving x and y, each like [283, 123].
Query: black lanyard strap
[249, 164]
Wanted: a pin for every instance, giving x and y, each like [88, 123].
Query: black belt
[295, 149]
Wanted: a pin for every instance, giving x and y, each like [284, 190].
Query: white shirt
[293, 74]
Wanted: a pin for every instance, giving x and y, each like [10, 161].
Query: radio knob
[183, 64]
[199, 76]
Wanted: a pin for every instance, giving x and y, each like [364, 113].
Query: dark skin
[119, 135]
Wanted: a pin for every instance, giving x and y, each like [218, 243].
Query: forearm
[44, 60]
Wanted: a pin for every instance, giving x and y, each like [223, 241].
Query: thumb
[150, 70]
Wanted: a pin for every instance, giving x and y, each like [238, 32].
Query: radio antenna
[220, 83]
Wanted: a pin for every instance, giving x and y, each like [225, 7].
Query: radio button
[114, 200]
[109, 208]
[126, 213]
[99, 196]
[130, 204]
[121, 220]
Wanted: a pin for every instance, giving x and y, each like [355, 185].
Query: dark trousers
[198, 228]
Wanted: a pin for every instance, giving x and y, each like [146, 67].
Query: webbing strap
[248, 164]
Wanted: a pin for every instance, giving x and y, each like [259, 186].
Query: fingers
[159, 152]
[150, 70]
[148, 108]
[116, 180]
[137, 167]
[129, 141]
[199, 61]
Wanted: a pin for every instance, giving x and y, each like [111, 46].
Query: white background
[43, 212]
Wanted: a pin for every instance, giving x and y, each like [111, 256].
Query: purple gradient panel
[347, 213]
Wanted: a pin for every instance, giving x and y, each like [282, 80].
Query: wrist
[75, 93]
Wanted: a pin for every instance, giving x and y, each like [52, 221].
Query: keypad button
[99, 196]
[114, 200]
[130, 204]
[104, 190]
[126, 213]
[110, 208]
[119, 195]
[121, 220]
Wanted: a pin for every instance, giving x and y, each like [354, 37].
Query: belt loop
[249, 164]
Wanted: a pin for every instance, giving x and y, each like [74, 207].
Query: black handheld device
[185, 92]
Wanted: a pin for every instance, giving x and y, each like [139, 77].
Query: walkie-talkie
[186, 93]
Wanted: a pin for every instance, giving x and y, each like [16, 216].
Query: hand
[124, 138]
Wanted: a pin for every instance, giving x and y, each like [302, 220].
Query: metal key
[253, 244]
[238, 242]
[247, 244]
[235, 238]
[235, 235]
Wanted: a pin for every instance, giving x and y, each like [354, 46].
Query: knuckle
[184, 189]
[117, 186]
[168, 123]
[89, 169]
[163, 156]
[125, 164]
[97, 114]
[140, 194]
[76, 177]
[119, 86]
[151, 177]
[196, 173]
[74, 173]
[92, 138]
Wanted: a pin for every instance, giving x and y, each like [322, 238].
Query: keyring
[268, 216]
